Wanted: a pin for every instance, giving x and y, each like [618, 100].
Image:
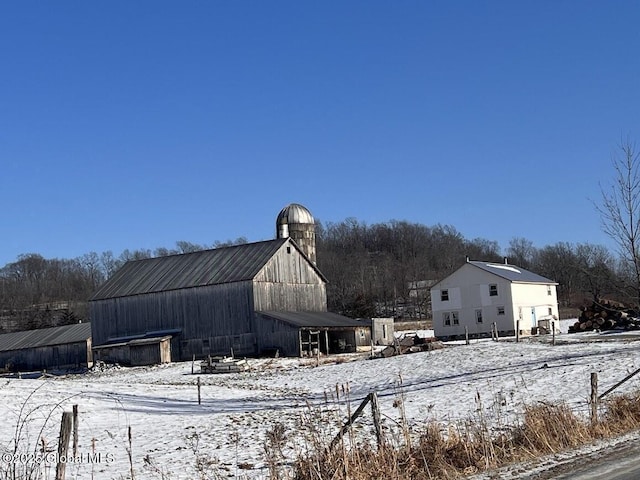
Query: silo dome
[296, 221]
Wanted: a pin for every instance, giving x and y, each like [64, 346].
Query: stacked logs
[606, 315]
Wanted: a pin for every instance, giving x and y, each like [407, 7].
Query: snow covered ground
[170, 431]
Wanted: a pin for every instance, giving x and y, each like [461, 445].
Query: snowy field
[170, 431]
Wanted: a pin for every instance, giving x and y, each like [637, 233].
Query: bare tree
[620, 213]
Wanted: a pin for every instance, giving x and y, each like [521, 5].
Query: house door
[534, 323]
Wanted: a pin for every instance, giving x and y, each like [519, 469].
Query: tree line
[383, 269]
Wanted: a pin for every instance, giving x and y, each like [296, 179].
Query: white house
[481, 293]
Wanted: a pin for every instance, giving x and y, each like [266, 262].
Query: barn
[480, 294]
[55, 348]
[245, 299]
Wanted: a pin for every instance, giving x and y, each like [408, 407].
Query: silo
[296, 221]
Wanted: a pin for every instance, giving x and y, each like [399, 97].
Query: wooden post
[495, 331]
[75, 431]
[199, 397]
[63, 444]
[594, 398]
[352, 419]
[193, 361]
[300, 341]
[375, 411]
[232, 353]
[553, 333]
[517, 330]
[130, 452]
[466, 334]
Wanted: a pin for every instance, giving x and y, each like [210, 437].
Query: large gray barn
[247, 299]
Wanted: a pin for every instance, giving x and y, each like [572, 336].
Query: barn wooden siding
[217, 313]
[50, 357]
[137, 352]
[288, 282]
[275, 334]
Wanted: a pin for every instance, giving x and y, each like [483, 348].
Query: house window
[479, 316]
[446, 319]
[444, 295]
[454, 318]
[362, 334]
[384, 331]
[550, 311]
[493, 290]
[548, 289]
[500, 310]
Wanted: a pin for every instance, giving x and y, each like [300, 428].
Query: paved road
[621, 462]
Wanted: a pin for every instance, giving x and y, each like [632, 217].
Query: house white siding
[533, 303]
[475, 298]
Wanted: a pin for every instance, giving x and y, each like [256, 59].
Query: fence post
[594, 398]
[553, 333]
[517, 330]
[63, 444]
[199, 398]
[75, 431]
[375, 410]
[466, 334]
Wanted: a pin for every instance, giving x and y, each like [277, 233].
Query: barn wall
[275, 334]
[288, 282]
[71, 355]
[211, 312]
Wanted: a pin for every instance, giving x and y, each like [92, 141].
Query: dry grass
[449, 452]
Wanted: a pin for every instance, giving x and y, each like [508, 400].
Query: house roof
[512, 272]
[317, 319]
[45, 337]
[197, 269]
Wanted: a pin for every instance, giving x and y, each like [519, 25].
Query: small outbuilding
[480, 294]
[55, 348]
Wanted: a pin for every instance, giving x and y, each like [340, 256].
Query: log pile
[409, 344]
[606, 315]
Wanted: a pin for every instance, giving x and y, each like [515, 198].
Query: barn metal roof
[207, 267]
[317, 319]
[512, 272]
[294, 213]
[45, 337]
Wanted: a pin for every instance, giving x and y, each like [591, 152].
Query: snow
[504, 267]
[170, 431]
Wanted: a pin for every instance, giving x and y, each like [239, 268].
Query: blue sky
[138, 124]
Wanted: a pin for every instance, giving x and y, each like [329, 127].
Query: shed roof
[317, 319]
[45, 337]
[197, 269]
[512, 272]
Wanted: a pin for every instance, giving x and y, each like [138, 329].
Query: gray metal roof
[294, 213]
[317, 319]
[45, 337]
[208, 267]
[512, 272]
